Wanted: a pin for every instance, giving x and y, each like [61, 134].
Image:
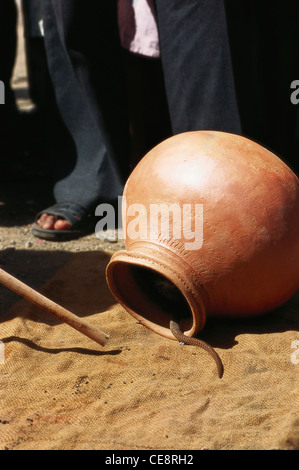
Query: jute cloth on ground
[60, 390]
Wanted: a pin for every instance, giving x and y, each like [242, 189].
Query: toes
[46, 221]
[42, 219]
[62, 224]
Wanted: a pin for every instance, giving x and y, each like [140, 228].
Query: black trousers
[197, 68]
[83, 55]
[86, 67]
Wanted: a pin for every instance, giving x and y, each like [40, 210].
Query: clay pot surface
[238, 201]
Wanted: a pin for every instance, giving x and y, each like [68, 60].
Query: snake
[179, 335]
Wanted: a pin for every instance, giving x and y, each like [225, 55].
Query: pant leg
[197, 68]
[84, 60]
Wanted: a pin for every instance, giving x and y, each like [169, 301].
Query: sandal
[81, 222]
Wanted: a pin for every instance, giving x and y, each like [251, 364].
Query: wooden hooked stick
[51, 307]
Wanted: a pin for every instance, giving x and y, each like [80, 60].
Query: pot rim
[164, 262]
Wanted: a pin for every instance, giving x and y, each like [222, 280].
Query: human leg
[84, 60]
[196, 63]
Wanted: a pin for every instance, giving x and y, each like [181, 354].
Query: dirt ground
[26, 189]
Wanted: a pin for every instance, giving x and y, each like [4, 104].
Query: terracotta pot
[238, 201]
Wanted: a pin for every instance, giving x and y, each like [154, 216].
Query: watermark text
[2, 92]
[295, 354]
[2, 353]
[170, 221]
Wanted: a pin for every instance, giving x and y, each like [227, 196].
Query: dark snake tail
[175, 330]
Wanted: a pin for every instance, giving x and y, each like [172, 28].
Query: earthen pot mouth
[131, 275]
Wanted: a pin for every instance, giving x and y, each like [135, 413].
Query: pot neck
[126, 288]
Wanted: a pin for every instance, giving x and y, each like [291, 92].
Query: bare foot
[47, 222]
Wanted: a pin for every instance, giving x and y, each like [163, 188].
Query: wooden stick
[51, 307]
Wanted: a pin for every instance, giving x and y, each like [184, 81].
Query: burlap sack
[60, 390]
